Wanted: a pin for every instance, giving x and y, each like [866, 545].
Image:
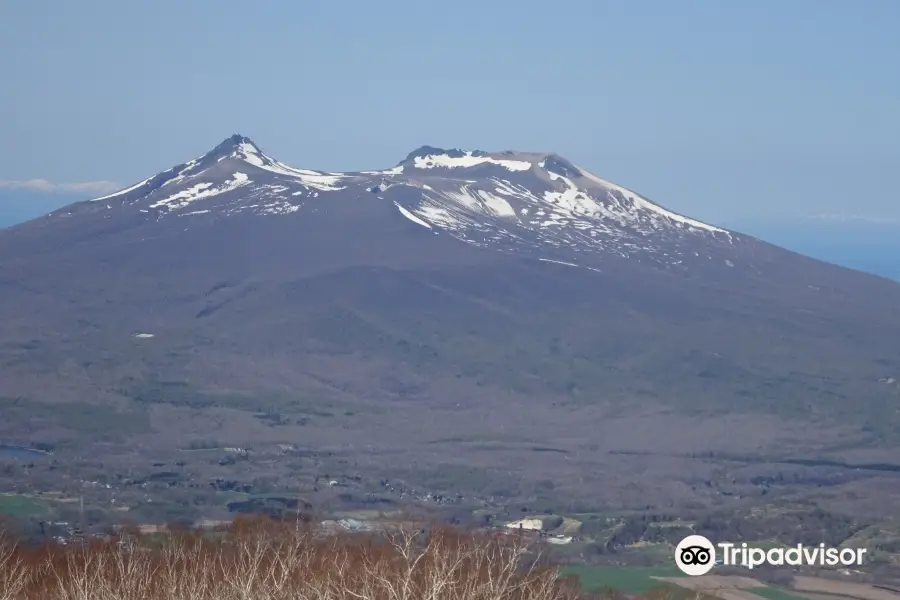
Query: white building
[530, 524]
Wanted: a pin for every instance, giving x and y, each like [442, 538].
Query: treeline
[271, 560]
[809, 526]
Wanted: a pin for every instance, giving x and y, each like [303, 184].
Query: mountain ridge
[530, 204]
[511, 201]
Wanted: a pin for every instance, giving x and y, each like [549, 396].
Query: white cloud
[42, 185]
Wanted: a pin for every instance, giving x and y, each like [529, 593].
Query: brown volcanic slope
[462, 307]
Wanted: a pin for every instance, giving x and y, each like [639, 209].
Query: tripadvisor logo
[696, 555]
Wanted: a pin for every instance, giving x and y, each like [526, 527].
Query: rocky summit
[532, 204]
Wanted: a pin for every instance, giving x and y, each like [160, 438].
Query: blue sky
[724, 110]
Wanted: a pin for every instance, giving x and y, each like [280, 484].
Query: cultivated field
[724, 587]
[634, 580]
[861, 591]
[731, 587]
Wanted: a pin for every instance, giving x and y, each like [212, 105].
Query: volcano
[458, 299]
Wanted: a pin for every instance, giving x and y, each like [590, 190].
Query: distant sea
[870, 247]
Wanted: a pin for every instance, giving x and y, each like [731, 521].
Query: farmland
[18, 505]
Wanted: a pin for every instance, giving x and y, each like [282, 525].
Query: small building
[209, 524]
[529, 524]
[354, 525]
[559, 540]
[146, 529]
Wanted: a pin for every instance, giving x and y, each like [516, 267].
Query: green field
[20, 506]
[770, 593]
[639, 580]
[634, 580]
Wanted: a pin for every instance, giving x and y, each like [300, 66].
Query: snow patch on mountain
[446, 161]
[497, 205]
[182, 174]
[642, 203]
[568, 264]
[199, 192]
[572, 201]
[411, 216]
[435, 214]
[327, 182]
[123, 192]
[250, 153]
[398, 170]
[481, 201]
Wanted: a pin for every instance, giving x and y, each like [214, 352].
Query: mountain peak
[555, 163]
[424, 152]
[429, 157]
[233, 143]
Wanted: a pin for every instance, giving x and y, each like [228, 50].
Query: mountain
[524, 203]
[477, 312]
